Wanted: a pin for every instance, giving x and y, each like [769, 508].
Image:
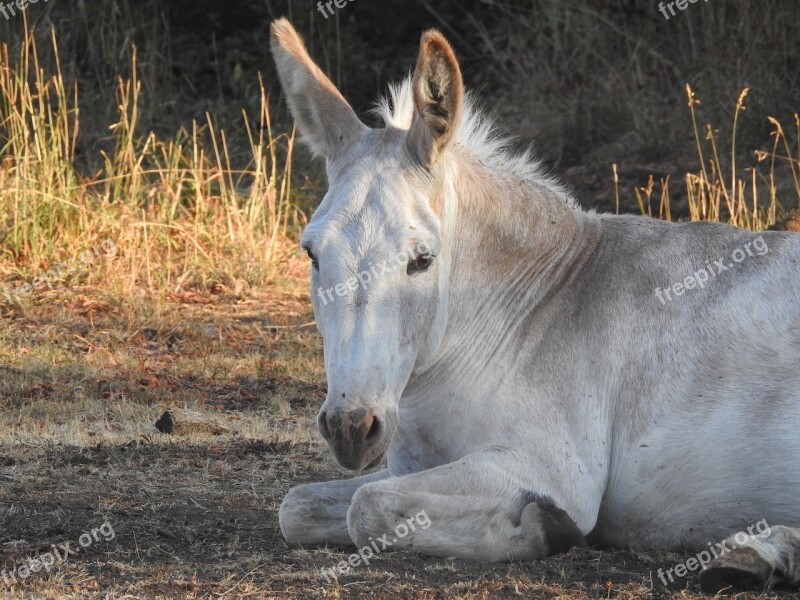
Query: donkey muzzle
[356, 437]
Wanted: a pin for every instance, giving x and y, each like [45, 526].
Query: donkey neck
[514, 244]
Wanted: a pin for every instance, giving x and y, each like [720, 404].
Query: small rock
[181, 421]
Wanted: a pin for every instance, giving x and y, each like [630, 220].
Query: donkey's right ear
[325, 120]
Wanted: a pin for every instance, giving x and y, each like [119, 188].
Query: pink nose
[350, 434]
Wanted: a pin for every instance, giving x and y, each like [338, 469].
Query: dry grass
[81, 384]
[179, 213]
[755, 201]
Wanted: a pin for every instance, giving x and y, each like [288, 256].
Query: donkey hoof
[740, 569]
[552, 528]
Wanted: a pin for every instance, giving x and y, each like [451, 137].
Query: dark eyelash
[314, 261]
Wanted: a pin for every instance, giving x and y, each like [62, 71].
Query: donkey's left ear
[438, 98]
[325, 120]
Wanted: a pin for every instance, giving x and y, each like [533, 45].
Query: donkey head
[380, 266]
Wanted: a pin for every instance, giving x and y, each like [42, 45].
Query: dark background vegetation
[591, 82]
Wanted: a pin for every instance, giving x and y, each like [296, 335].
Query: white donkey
[516, 360]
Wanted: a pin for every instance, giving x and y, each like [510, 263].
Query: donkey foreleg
[467, 509]
[316, 513]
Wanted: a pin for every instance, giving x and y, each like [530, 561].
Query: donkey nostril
[374, 429]
[322, 424]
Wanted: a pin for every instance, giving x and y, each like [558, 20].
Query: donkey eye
[420, 264]
[313, 258]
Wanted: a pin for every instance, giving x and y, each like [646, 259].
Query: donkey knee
[368, 515]
[310, 516]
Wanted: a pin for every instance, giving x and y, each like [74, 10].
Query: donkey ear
[325, 120]
[438, 98]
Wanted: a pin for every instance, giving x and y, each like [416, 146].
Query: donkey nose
[352, 426]
[350, 434]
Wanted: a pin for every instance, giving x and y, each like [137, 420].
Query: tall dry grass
[187, 211]
[178, 210]
[719, 194]
[753, 197]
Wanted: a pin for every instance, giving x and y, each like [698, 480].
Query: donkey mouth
[357, 461]
[378, 460]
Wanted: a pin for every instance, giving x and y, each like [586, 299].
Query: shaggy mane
[477, 135]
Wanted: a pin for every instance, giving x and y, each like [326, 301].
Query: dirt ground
[83, 377]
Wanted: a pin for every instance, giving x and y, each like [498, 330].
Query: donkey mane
[477, 136]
